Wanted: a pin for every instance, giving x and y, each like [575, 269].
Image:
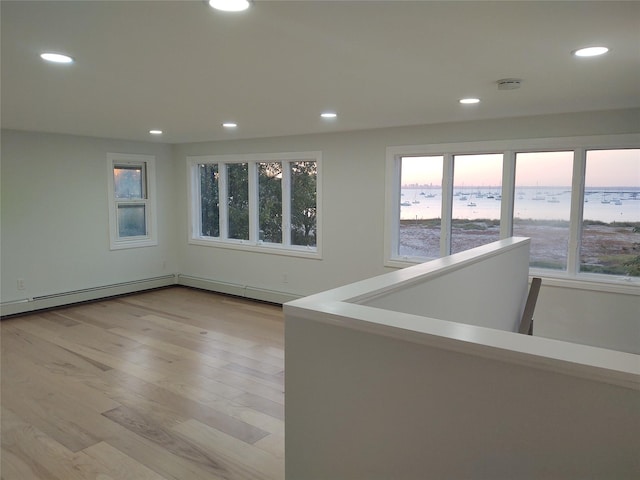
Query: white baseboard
[76, 296]
[254, 293]
[67, 298]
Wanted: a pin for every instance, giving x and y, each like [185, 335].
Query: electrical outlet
[285, 278]
[21, 285]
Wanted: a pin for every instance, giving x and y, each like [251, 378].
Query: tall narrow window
[542, 205]
[477, 199]
[270, 202]
[238, 200]
[610, 241]
[420, 206]
[132, 207]
[209, 200]
[130, 194]
[303, 203]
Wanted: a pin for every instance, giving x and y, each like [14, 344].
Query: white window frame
[579, 145]
[253, 243]
[147, 164]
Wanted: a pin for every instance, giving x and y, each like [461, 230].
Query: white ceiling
[185, 68]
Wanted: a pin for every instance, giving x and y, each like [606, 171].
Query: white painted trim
[258, 247]
[628, 140]
[254, 244]
[509, 148]
[66, 298]
[151, 239]
[238, 290]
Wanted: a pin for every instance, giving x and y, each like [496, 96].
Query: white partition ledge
[375, 393]
[346, 307]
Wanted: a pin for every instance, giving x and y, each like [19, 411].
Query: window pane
[131, 221]
[209, 201]
[420, 206]
[542, 206]
[611, 216]
[303, 203]
[238, 192]
[128, 182]
[270, 202]
[477, 190]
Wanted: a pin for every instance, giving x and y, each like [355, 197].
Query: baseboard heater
[83, 295]
[255, 293]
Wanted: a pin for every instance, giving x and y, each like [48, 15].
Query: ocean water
[541, 203]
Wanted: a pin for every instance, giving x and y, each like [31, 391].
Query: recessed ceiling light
[469, 101]
[590, 51]
[230, 5]
[328, 115]
[56, 57]
[155, 132]
[229, 125]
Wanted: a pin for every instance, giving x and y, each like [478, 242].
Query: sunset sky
[605, 168]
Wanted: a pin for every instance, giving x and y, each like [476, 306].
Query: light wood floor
[168, 384]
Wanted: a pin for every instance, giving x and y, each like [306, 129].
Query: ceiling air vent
[509, 83]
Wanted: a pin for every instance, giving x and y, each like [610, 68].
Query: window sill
[593, 282]
[274, 249]
[123, 245]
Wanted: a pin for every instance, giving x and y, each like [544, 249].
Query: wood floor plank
[118, 465]
[47, 458]
[242, 460]
[51, 370]
[273, 444]
[197, 332]
[190, 408]
[183, 353]
[141, 425]
[261, 404]
[171, 384]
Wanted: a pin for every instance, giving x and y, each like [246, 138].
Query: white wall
[375, 393]
[54, 207]
[588, 316]
[353, 195]
[55, 227]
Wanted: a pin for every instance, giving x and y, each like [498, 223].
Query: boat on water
[405, 204]
[553, 200]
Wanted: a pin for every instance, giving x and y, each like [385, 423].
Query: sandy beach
[605, 247]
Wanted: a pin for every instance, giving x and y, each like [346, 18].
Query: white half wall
[374, 393]
[364, 406]
[488, 293]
